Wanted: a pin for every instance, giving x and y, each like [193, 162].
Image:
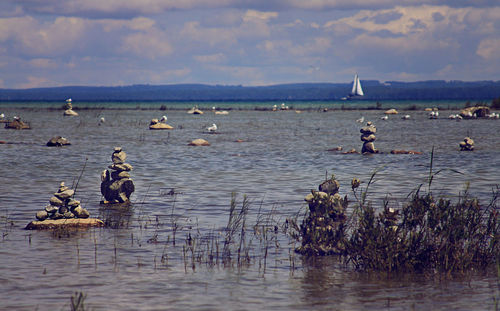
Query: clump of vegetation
[322, 231]
[426, 234]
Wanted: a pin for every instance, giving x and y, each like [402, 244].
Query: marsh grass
[426, 234]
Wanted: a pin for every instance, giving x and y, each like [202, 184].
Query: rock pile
[475, 112]
[323, 229]
[368, 137]
[17, 124]
[58, 141]
[62, 205]
[467, 144]
[156, 124]
[69, 109]
[116, 186]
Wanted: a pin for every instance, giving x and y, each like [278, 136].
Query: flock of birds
[435, 115]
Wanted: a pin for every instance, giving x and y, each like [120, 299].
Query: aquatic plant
[426, 234]
[78, 301]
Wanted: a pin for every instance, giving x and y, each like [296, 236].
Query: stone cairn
[116, 186]
[62, 205]
[323, 229]
[68, 109]
[467, 144]
[368, 137]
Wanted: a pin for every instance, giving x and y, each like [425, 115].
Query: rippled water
[283, 156]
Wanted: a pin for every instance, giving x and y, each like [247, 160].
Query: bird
[163, 119]
[212, 128]
[102, 120]
[361, 120]
[68, 100]
[405, 117]
[384, 118]
[2, 116]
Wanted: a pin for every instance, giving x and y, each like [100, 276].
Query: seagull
[384, 118]
[68, 100]
[2, 116]
[163, 119]
[405, 117]
[361, 120]
[102, 120]
[212, 128]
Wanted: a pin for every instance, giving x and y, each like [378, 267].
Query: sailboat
[356, 88]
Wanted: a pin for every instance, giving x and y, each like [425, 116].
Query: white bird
[2, 116]
[384, 118]
[102, 120]
[361, 120]
[405, 117]
[212, 128]
[163, 119]
[452, 116]
[68, 100]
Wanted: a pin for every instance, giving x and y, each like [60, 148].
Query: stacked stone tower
[117, 186]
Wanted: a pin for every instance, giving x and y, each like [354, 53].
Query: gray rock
[368, 138]
[58, 141]
[80, 212]
[119, 175]
[330, 186]
[118, 157]
[56, 201]
[369, 147]
[51, 209]
[368, 130]
[69, 215]
[65, 194]
[63, 209]
[42, 215]
[121, 167]
[57, 216]
[73, 203]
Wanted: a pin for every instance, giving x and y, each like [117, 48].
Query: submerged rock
[58, 141]
[199, 142]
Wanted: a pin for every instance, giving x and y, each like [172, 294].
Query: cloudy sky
[248, 42]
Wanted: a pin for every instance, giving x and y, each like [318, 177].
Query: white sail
[356, 87]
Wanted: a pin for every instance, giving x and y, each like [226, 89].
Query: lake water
[135, 265]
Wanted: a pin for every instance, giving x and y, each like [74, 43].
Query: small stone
[368, 147]
[57, 216]
[119, 175]
[309, 197]
[56, 201]
[69, 215]
[66, 194]
[117, 149]
[73, 203]
[42, 215]
[51, 209]
[368, 138]
[119, 157]
[63, 209]
[80, 212]
[330, 186]
[368, 130]
[121, 167]
[58, 141]
[199, 142]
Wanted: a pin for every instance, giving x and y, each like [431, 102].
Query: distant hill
[374, 90]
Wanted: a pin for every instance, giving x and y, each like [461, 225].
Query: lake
[159, 253]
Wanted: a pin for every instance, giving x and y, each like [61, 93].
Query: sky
[47, 43]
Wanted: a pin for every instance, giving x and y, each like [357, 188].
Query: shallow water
[283, 156]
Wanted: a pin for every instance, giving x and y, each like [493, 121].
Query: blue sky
[47, 43]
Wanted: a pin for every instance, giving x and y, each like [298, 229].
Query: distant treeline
[374, 90]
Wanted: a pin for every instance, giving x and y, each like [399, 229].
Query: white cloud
[211, 59]
[150, 44]
[43, 63]
[489, 49]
